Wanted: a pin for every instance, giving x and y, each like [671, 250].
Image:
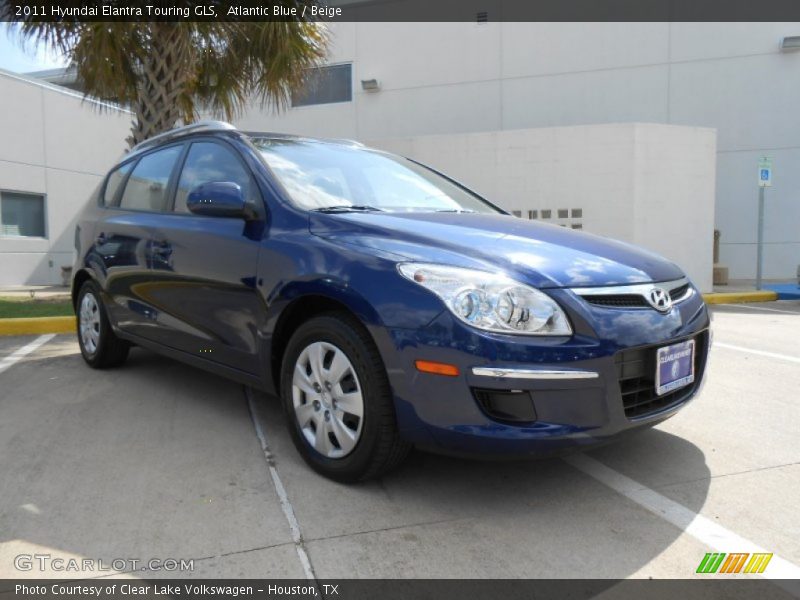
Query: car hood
[543, 255]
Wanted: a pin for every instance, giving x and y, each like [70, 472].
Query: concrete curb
[37, 325]
[739, 297]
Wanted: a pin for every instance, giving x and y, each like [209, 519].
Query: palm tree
[168, 72]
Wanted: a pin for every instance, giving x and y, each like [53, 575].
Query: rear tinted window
[147, 186]
[114, 181]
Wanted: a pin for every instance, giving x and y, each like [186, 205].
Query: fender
[324, 288]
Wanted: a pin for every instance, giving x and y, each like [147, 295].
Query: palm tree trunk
[165, 71]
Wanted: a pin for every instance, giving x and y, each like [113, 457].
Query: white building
[54, 150]
[455, 78]
[498, 106]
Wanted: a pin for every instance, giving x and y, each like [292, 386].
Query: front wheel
[100, 347]
[338, 402]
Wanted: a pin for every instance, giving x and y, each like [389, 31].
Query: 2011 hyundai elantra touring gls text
[387, 305]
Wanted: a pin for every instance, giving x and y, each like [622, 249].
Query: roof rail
[346, 141]
[198, 127]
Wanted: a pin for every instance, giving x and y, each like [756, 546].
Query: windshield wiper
[348, 208]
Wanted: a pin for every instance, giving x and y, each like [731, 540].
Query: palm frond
[167, 71]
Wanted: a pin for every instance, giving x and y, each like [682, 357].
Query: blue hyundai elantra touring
[385, 304]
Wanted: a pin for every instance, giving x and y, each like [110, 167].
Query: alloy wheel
[89, 317]
[328, 400]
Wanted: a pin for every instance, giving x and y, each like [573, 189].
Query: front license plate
[674, 367]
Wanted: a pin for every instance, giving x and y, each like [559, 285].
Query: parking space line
[758, 352]
[777, 310]
[702, 529]
[21, 353]
[286, 505]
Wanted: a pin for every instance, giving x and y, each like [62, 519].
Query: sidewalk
[34, 291]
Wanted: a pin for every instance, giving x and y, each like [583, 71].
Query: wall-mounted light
[790, 44]
[370, 85]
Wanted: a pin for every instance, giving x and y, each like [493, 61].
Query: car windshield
[335, 177]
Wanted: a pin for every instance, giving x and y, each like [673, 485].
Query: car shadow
[535, 518]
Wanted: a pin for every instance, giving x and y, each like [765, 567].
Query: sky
[14, 58]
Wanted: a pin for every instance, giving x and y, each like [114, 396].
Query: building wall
[446, 78]
[638, 181]
[59, 146]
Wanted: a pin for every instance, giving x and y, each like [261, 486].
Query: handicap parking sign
[765, 172]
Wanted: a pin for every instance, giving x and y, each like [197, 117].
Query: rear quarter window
[147, 185]
[113, 183]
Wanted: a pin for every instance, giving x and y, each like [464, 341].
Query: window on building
[516, 213]
[114, 181]
[22, 215]
[326, 85]
[533, 214]
[208, 162]
[563, 213]
[147, 186]
[547, 213]
[577, 213]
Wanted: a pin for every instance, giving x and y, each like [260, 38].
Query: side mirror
[219, 199]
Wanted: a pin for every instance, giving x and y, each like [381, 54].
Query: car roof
[221, 127]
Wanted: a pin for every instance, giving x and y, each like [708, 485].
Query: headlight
[490, 301]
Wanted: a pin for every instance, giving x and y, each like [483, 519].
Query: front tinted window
[114, 181]
[147, 186]
[321, 175]
[208, 162]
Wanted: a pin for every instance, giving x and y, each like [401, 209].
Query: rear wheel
[100, 347]
[338, 402]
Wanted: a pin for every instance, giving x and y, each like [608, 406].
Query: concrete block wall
[650, 185]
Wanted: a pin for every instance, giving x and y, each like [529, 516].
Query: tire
[100, 347]
[324, 423]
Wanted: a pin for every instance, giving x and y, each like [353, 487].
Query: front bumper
[522, 395]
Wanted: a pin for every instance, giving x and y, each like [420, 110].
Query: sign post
[764, 181]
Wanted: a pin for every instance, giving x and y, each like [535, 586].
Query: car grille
[633, 300]
[636, 371]
[618, 300]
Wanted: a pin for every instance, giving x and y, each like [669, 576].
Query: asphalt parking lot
[157, 460]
